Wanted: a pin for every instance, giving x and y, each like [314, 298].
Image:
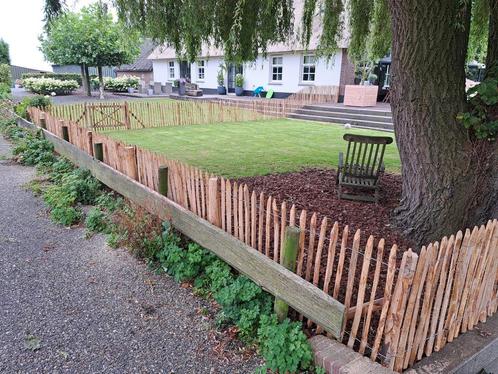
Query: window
[308, 68]
[276, 68]
[200, 69]
[171, 67]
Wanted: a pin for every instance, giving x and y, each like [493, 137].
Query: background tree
[450, 175]
[51, 10]
[90, 38]
[4, 52]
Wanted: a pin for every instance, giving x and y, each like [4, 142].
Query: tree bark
[101, 82]
[448, 177]
[86, 79]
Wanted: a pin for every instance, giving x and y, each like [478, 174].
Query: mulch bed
[315, 191]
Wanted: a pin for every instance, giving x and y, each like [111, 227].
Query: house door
[185, 70]
[232, 71]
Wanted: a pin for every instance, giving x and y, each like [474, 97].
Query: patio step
[370, 118]
[355, 122]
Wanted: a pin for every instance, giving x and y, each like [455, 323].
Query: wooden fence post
[43, 121]
[131, 162]
[65, 132]
[98, 151]
[213, 213]
[163, 180]
[89, 136]
[126, 115]
[289, 258]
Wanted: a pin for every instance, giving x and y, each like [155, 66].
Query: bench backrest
[364, 155]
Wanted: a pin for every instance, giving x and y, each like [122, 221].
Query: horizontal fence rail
[398, 306]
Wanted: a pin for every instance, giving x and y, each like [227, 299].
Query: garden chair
[362, 167]
[269, 93]
[258, 91]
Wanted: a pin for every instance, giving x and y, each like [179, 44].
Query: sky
[21, 22]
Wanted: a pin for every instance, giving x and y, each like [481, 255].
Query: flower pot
[182, 89]
[222, 90]
[361, 96]
[239, 91]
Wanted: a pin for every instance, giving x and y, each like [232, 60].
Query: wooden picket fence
[146, 114]
[400, 306]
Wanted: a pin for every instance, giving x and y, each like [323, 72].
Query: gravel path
[88, 307]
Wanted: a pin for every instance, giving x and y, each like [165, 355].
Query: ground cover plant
[252, 148]
[242, 303]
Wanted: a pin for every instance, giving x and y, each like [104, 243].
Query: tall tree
[4, 52]
[449, 172]
[90, 38]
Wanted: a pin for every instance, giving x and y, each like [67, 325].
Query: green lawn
[252, 148]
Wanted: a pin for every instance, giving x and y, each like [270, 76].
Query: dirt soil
[315, 190]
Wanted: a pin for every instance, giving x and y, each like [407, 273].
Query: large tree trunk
[101, 82]
[448, 181]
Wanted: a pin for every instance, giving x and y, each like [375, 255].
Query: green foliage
[239, 80]
[72, 188]
[482, 119]
[243, 301]
[283, 345]
[96, 221]
[119, 84]
[5, 77]
[38, 101]
[220, 78]
[33, 150]
[242, 27]
[89, 37]
[50, 86]
[4, 52]
[5, 81]
[58, 76]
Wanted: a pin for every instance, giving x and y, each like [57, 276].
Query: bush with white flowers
[50, 86]
[119, 84]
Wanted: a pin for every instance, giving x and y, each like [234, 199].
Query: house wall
[257, 73]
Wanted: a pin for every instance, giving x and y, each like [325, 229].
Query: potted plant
[221, 81]
[239, 83]
[364, 94]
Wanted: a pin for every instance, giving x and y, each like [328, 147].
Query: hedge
[58, 76]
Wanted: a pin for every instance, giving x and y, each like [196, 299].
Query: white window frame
[272, 72]
[201, 70]
[171, 69]
[307, 66]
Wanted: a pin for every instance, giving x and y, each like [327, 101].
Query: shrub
[96, 221]
[33, 150]
[283, 345]
[5, 81]
[38, 101]
[119, 84]
[49, 86]
[58, 76]
[239, 80]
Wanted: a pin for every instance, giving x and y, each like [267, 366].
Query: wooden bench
[191, 89]
[362, 167]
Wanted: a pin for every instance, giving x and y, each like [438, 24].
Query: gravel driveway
[68, 304]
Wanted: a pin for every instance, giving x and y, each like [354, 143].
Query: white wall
[211, 66]
[257, 73]
[161, 70]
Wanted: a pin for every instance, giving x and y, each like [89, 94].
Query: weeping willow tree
[449, 171]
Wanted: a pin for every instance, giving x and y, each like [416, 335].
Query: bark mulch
[315, 191]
